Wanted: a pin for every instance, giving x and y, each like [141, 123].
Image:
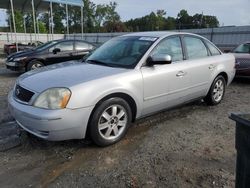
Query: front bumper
[54, 125]
[15, 66]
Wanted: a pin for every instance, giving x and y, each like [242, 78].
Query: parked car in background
[128, 77]
[242, 55]
[11, 48]
[52, 52]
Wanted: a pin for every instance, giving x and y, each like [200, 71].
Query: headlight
[54, 98]
[19, 58]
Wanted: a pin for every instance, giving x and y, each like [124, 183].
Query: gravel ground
[192, 146]
[7, 81]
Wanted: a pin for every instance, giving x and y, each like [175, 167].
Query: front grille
[244, 60]
[23, 94]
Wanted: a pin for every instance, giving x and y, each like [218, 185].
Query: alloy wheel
[218, 90]
[36, 66]
[112, 122]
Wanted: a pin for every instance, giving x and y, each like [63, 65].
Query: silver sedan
[127, 78]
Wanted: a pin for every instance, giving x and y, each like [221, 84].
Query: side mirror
[56, 50]
[159, 59]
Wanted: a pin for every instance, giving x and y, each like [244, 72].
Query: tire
[34, 64]
[110, 121]
[216, 91]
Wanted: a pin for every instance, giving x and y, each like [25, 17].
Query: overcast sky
[228, 12]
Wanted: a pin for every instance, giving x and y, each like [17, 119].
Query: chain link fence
[225, 38]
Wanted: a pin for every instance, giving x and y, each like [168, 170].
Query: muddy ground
[192, 146]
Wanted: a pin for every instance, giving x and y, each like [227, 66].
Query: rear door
[201, 65]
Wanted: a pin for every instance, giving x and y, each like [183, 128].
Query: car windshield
[243, 48]
[45, 45]
[122, 52]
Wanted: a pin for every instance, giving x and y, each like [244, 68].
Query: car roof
[60, 40]
[158, 34]
[80, 40]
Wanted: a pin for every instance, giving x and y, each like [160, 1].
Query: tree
[18, 21]
[161, 20]
[100, 15]
[59, 14]
[42, 27]
[59, 17]
[112, 21]
[170, 23]
[74, 19]
[152, 22]
[88, 16]
[184, 21]
[44, 17]
[210, 21]
[105, 18]
[205, 21]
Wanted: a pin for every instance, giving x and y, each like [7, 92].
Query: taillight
[12, 47]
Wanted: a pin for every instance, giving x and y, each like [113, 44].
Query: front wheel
[35, 64]
[217, 91]
[110, 121]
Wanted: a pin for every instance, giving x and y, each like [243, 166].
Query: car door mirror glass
[159, 59]
[56, 50]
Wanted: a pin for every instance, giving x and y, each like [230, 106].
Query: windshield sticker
[148, 38]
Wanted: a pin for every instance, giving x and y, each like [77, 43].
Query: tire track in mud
[86, 156]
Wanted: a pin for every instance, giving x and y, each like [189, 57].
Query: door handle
[181, 74]
[211, 67]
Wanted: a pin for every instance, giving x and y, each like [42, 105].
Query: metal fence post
[51, 17]
[14, 23]
[34, 18]
[82, 20]
[67, 18]
[212, 34]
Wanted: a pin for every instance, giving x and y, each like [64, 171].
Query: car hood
[21, 54]
[66, 74]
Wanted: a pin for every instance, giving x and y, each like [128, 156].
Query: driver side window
[171, 46]
[63, 46]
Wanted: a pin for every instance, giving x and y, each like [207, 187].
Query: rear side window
[82, 45]
[195, 48]
[171, 46]
[212, 48]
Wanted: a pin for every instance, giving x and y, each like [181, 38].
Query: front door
[65, 53]
[166, 85]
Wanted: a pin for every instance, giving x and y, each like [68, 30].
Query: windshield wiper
[92, 61]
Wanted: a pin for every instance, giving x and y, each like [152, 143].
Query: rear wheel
[35, 64]
[110, 121]
[217, 91]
